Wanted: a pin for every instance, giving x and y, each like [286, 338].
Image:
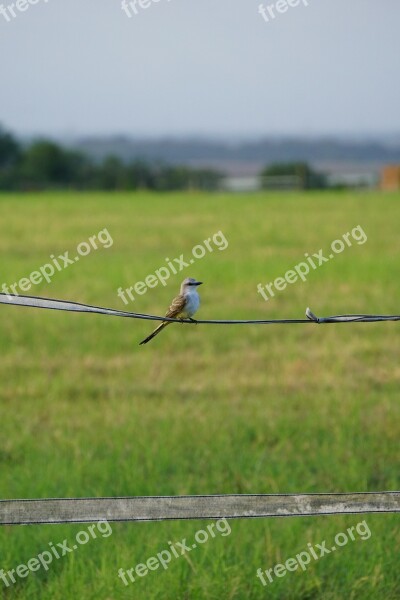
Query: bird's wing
[177, 306]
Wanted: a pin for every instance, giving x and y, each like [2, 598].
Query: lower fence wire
[161, 508]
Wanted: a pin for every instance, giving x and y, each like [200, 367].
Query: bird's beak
[199, 283]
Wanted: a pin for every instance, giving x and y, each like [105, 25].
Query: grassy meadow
[86, 411]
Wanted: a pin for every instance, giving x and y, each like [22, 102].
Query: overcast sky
[201, 67]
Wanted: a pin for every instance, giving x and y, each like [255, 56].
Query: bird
[184, 306]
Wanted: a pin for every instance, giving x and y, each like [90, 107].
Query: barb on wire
[65, 305]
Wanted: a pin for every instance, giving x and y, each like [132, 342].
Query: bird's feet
[193, 320]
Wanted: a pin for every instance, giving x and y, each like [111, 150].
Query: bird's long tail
[155, 332]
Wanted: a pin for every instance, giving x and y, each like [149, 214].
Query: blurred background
[169, 95]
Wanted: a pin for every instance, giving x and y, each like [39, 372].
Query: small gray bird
[184, 306]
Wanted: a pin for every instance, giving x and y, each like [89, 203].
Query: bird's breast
[192, 303]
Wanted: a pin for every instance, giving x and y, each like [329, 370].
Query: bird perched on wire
[184, 306]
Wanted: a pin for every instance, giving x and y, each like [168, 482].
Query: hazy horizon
[223, 138]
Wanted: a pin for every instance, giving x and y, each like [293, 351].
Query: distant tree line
[296, 175]
[46, 165]
[43, 164]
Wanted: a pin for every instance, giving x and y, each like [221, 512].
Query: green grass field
[85, 411]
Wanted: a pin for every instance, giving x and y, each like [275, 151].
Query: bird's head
[189, 284]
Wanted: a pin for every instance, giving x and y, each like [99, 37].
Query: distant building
[281, 182]
[353, 179]
[390, 178]
[232, 183]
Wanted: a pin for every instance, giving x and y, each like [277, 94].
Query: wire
[65, 305]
